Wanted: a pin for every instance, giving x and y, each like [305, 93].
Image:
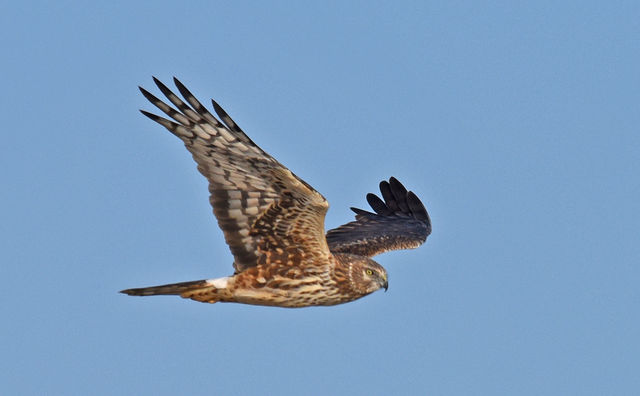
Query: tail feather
[169, 289]
[205, 290]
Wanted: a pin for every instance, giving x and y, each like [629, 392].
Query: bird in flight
[273, 221]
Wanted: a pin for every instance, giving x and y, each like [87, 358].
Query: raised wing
[399, 222]
[267, 213]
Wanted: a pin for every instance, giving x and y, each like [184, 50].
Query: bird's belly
[292, 295]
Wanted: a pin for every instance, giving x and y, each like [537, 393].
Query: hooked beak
[385, 284]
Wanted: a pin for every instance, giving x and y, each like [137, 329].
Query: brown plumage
[273, 221]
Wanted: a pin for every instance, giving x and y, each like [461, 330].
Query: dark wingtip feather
[387, 195]
[150, 97]
[159, 83]
[217, 108]
[399, 193]
[182, 88]
[150, 115]
[228, 121]
[383, 185]
[397, 188]
[163, 88]
[358, 211]
[378, 205]
[418, 210]
[222, 114]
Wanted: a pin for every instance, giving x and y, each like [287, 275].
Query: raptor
[273, 221]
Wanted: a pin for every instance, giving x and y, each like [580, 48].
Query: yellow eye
[369, 272]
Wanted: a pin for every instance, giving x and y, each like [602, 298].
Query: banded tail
[205, 290]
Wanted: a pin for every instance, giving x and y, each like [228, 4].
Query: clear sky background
[517, 123]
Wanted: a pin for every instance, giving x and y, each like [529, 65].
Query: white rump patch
[219, 283]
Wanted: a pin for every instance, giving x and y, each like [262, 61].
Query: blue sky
[515, 122]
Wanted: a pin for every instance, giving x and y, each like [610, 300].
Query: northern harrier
[273, 221]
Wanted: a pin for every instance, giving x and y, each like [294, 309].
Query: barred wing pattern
[267, 214]
[399, 222]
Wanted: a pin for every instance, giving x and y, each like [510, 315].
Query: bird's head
[366, 275]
